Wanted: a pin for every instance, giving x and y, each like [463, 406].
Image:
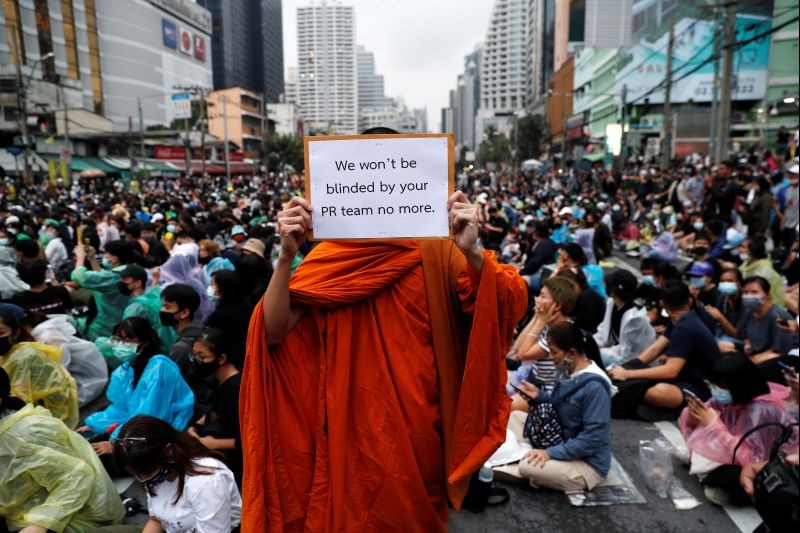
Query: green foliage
[528, 134]
[495, 148]
[284, 149]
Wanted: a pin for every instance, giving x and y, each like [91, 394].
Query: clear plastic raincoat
[50, 476]
[38, 378]
[717, 440]
[161, 392]
[80, 357]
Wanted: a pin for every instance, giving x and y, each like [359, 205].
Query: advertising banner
[187, 45]
[169, 33]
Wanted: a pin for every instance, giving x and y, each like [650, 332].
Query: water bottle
[480, 487]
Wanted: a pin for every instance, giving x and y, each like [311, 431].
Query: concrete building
[239, 110]
[101, 58]
[783, 84]
[446, 117]
[608, 24]
[290, 86]
[286, 119]
[468, 91]
[503, 89]
[371, 92]
[248, 45]
[327, 96]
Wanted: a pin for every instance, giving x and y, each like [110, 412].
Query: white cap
[565, 211]
[793, 169]
[157, 217]
[11, 219]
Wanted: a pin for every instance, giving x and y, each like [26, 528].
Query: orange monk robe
[387, 394]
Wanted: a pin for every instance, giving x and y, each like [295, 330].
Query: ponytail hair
[567, 336]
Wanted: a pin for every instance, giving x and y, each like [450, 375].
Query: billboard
[199, 48]
[169, 32]
[181, 105]
[644, 65]
[187, 45]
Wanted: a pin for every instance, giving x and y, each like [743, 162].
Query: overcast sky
[419, 45]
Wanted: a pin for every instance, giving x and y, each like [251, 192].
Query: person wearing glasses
[189, 488]
[146, 382]
[50, 479]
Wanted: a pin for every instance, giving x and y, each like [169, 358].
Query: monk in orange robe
[374, 383]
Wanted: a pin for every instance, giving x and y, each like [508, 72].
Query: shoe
[648, 413]
[717, 495]
[508, 473]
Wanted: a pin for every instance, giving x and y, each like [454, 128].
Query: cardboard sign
[379, 186]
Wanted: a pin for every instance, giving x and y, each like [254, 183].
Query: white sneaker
[717, 495]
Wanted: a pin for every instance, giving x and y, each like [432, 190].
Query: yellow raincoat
[50, 476]
[37, 378]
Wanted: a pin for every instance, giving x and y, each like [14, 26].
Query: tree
[285, 149]
[528, 134]
[495, 148]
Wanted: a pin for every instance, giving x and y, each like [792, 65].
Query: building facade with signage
[147, 47]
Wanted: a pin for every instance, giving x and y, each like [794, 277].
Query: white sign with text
[379, 187]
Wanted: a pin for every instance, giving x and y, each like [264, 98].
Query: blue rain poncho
[110, 303]
[51, 476]
[37, 377]
[161, 392]
[148, 306]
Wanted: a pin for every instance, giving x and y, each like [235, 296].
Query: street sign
[181, 105]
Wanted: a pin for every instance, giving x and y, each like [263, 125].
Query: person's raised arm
[294, 223]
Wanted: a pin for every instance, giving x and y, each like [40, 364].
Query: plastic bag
[656, 464]
[682, 499]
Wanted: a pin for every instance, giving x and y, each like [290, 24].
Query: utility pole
[188, 147]
[225, 134]
[141, 137]
[67, 151]
[203, 129]
[712, 135]
[724, 119]
[624, 118]
[22, 107]
[130, 137]
[666, 132]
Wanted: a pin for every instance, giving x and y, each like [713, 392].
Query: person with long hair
[741, 399]
[188, 487]
[36, 376]
[146, 382]
[232, 306]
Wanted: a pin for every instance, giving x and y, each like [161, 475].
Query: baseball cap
[621, 283]
[700, 268]
[157, 217]
[135, 272]
[565, 211]
[238, 230]
[255, 246]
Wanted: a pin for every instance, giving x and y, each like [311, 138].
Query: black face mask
[203, 260]
[203, 369]
[5, 344]
[700, 250]
[123, 288]
[167, 319]
[159, 478]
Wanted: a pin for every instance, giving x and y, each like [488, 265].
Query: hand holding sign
[294, 223]
[464, 223]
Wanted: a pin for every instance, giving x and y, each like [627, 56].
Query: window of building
[14, 30]
[68, 18]
[94, 56]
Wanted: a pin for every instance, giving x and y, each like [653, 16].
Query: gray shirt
[763, 333]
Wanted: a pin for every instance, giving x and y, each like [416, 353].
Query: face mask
[5, 344]
[721, 396]
[51, 234]
[697, 226]
[44, 239]
[697, 282]
[123, 288]
[700, 251]
[751, 302]
[727, 287]
[564, 365]
[744, 256]
[167, 319]
[106, 264]
[171, 228]
[211, 293]
[203, 369]
[152, 482]
[648, 280]
[203, 260]
[4, 241]
[125, 351]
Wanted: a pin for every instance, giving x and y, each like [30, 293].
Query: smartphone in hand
[689, 395]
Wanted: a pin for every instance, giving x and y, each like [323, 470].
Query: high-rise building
[327, 86]
[608, 24]
[503, 67]
[371, 93]
[248, 45]
[290, 86]
[468, 91]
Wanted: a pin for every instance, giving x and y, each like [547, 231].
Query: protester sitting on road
[188, 487]
[625, 331]
[701, 282]
[35, 373]
[753, 253]
[145, 383]
[103, 283]
[741, 400]
[654, 392]
[230, 305]
[209, 256]
[757, 325]
[218, 429]
[179, 303]
[581, 399]
[588, 310]
[41, 297]
[727, 310]
[543, 253]
[553, 305]
[50, 479]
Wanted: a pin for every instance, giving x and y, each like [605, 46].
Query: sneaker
[648, 413]
[717, 495]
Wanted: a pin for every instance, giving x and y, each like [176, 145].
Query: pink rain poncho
[717, 440]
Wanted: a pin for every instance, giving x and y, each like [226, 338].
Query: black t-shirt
[690, 339]
[709, 297]
[226, 421]
[497, 236]
[589, 310]
[54, 300]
